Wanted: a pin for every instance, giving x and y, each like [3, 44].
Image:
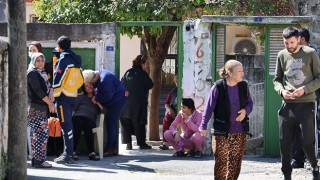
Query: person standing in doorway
[134, 116]
[230, 103]
[297, 77]
[67, 79]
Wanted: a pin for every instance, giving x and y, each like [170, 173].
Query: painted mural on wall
[197, 61]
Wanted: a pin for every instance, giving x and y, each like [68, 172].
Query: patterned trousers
[39, 136]
[228, 154]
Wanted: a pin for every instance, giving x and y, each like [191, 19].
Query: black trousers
[295, 117]
[86, 125]
[130, 127]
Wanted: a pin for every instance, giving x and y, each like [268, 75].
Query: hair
[189, 103]
[228, 68]
[303, 32]
[37, 44]
[290, 32]
[88, 75]
[139, 60]
[64, 42]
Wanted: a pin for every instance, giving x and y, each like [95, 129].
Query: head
[291, 38]
[175, 79]
[140, 61]
[88, 88]
[34, 46]
[187, 106]
[89, 76]
[304, 36]
[64, 43]
[37, 61]
[232, 70]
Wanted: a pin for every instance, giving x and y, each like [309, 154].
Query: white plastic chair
[99, 134]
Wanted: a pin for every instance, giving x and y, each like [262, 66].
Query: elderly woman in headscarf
[39, 105]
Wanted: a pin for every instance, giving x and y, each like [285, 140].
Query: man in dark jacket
[67, 79]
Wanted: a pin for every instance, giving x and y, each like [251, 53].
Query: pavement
[159, 164]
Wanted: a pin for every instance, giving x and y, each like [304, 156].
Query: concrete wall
[3, 102]
[100, 32]
[3, 11]
[310, 8]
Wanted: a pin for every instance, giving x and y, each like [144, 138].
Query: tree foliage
[157, 39]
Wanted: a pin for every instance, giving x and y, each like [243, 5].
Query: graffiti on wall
[197, 61]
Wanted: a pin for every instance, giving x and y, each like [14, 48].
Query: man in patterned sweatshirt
[297, 77]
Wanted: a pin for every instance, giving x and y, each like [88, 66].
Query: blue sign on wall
[258, 19]
[109, 48]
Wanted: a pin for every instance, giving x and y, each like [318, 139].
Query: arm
[315, 83]
[278, 78]
[209, 108]
[174, 125]
[195, 123]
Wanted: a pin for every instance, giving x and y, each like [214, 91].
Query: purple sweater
[235, 126]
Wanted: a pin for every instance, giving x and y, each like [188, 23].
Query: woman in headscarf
[39, 105]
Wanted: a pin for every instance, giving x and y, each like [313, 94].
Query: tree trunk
[17, 123]
[155, 74]
[157, 48]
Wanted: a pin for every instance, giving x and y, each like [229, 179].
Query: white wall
[129, 49]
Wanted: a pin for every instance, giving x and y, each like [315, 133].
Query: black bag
[245, 126]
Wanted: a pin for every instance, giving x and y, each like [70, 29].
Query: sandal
[92, 156]
[164, 147]
[43, 165]
[179, 154]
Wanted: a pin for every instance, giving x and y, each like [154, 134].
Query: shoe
[43, 165]
[164, 147]
[179, 154]
[296, 164]
[198, 154]
[315, 173]
[129, 146]
[145, 146]
[75, 156]
[287, 176]
[92, 156]
[64, 159]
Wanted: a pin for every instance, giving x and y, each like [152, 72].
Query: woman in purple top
[230, 102]
[190, 139]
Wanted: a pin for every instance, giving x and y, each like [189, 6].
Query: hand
[298, 92]
[184, 116]
[242, 115]
[94, 100]
[177, 137]
[203, 132]
[51, 98]
[287, 94]
[52, 108]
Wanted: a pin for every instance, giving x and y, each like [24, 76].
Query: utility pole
[17, 122]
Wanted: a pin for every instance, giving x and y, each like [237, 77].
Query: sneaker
[145, 146]
[198, 154]
[43, 165]
[164, 147]
[129, 146]
[64, 159]
[315, 173]
[296, 164]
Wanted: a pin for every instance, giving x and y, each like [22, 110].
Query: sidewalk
[158, 164]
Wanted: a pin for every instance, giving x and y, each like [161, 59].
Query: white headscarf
[42, 72]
